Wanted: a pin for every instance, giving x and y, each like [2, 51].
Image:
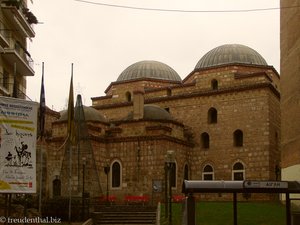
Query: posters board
[18, 130]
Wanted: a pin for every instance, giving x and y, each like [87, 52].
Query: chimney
[138, 104]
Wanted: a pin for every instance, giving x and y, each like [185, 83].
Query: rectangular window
[238, 176]
[207, 176]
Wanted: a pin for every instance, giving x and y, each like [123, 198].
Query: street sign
[266, 184]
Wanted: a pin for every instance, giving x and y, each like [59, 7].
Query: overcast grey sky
[102, 41]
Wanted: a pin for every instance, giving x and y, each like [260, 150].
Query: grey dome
[149, 69]
[230, 53]
[153, 112]
[90, 114]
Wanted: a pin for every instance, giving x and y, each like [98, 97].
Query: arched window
[238, 171]
[56, 187]
[214, 84]
[238, 138]
[212, 115]
[208, 173]
[186, 172]
[205, 140]
[116, 175]
[169, 92]
[128, 96]
[173, 175]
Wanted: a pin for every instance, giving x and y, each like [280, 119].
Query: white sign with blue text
[18, 128]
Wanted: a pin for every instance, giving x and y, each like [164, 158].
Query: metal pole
[6, 207]
[288, 208]
[83, 180]
[191, 219]
[170, 193]
[107, 190]
[9, 204]
[41, 151]
[234, 208]
[166, 192]
[41, 177]
[106, 171]
[70, 184]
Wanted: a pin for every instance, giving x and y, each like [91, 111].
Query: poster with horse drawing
[18, 127]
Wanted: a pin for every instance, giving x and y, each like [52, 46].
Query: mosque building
[221, 122]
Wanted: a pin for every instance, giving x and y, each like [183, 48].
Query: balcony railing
[17, 54]
[9, 89]
[20, 16]
[4, 35]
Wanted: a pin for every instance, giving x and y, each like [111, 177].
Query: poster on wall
[18, 128]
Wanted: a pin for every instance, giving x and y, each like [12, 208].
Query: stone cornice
[250, 75]
[118, 122]
[149, 90]
[108, 140]
[141, 79]
[229, 65]
[101, 97]
[159, 127]
[200, 93]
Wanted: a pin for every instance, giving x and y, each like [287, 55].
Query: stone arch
[238, 170]
[116, 174]
[212, 115]
[128, 96]
[214, 84]
[238, 138]
[208, 172]
[205, 140]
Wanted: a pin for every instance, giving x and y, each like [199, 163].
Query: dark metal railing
[20, 50]
[10, 89]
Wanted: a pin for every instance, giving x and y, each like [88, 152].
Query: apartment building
[16, 29]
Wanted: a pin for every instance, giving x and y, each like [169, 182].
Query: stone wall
[290, 82]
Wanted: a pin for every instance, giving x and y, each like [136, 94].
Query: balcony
[15, 92]
[17, 55]
[4, 34]
[13, 11]
[4, 85]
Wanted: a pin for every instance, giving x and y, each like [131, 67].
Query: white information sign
[18, 127]
[266, 184]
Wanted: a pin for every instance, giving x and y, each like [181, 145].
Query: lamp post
[169, 161]
[106, 171]
[83, 187]
[166, 191]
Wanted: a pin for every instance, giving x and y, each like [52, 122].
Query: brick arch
[203, 165]
[237, 160]
[238, 173]
[212, 115]
[207, 162]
